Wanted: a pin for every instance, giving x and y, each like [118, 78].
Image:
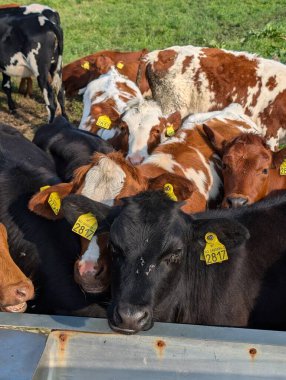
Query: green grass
[256, 26]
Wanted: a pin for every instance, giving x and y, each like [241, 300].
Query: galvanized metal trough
[43, 347]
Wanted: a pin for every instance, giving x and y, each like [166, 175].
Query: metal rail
[57, 347]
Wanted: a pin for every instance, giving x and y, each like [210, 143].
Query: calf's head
[15, 287]
[248, 166]
[146, 127]
[154, 248]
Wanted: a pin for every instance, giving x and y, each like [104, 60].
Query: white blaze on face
[92, 253]
[42, 20]
[140, 120]
[104, 181]
[106, 84]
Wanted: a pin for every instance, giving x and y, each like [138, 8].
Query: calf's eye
[265, 171]
[174, 257]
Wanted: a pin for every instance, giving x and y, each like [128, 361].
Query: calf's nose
[23, 291]
[132, 318]
[136, 159]
[234, 202]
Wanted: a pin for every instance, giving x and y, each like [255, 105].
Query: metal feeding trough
[43, 347]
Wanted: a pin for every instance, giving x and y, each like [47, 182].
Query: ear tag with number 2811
[215, 251]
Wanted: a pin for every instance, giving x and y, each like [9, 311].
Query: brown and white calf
[77, 74]
[251, 171]
[106, 98]
[15, 287]
[197, 79]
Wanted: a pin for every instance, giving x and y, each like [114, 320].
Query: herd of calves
[137, 214]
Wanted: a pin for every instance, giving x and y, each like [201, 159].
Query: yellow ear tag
[104, 122]
[86, 225]
[120, 65]
[55, 202]
[215, 251]
[283, 168]
[86, 65]
[169, 190]
[170, 131]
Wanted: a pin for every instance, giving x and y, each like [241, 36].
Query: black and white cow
[32, 45]
[158, 274]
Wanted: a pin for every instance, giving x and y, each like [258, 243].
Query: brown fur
[75, 77]
[11, 277]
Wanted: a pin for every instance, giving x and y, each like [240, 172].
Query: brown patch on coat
[271, 83]
[166, 59]
[274, 115]
[186, 63]
[123, 87]
[236, 70]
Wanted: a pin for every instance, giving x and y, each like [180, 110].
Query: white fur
[140, 120]
[26, 66]
[93, 251]
[104, 181]
[42, 20]
[35, 8]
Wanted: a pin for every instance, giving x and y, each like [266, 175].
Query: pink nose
[136, 159]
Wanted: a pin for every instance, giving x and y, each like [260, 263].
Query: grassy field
[256, 26]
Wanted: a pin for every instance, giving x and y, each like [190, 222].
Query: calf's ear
[278, 158]
[229, 232]
[39, 202]
[73, 206]
[215, 138]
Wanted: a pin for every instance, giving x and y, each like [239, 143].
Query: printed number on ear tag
[120, 65]
[86, 225]
[85, 65]
[214, 252]
[103, 122]
[55, 202]
[283, 168]
[169, 190]
[170, 131]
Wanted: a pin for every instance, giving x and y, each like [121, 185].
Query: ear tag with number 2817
[215, 251]
[86, 225]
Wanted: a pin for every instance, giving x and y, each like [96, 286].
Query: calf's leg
[6, 87]
[49, 96]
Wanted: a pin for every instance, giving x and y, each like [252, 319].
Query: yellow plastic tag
[214, 252]
[169, 190]
[104, 122]
[55, 202]
[120, 65]
[44, 187]
[170, 131]
[86, 225]
[86, 65]
[283, 168]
